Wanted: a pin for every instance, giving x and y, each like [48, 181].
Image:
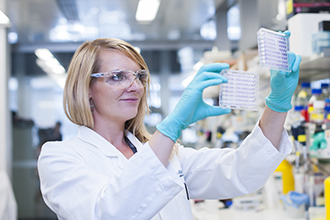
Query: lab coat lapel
[134, 140]
[91, 137]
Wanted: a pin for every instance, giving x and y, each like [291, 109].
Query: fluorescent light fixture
[147, 10]
[43, 54]
[12, 37]
[48, 62]
[4, 20]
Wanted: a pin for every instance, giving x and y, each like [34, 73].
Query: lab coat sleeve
[75, 191]
[228, 173]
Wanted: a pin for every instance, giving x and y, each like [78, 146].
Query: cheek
[141, 93]
[104, 96]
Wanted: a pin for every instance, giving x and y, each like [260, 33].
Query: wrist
[278, 105]
[170, 128]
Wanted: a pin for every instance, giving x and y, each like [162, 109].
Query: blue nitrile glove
[191, 107]
[283, 84]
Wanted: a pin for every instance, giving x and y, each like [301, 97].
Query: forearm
[271, 124]
[162, 146]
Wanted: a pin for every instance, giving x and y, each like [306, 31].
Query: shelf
[316, 67]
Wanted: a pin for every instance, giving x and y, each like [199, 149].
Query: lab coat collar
[90, 136]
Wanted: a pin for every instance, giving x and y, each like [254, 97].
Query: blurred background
[175, 37]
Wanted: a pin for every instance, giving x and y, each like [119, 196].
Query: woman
[115, 169]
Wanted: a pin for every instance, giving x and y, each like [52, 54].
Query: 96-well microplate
[241, 90]
[273, 48]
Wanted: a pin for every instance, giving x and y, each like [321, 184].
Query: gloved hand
[283, 84]
[319, 141]
[191, 107]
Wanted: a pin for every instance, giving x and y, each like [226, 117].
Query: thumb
[216, 110]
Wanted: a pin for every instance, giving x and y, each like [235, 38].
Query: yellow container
[327, 197]
[285, 169]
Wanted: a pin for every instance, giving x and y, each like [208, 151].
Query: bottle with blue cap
[327, 110]
[303, 94]
[325, 90]
[316, 107]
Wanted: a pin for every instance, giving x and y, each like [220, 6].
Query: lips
[129, 99]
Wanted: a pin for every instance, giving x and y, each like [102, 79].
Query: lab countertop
[209, 210]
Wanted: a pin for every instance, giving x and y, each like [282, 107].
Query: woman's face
[115, 103]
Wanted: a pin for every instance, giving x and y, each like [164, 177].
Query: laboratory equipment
[241, 90]
[273, 48]
[316, 213]
[325, 90]
[303, 95]
[294, 204]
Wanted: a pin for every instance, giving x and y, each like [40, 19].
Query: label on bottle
[302, 138]
[317, 117]
[302, 94]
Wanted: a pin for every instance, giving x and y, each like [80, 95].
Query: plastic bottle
[303, 94]
[316, 96]
[297, 118]
[325, 90]
[327, 110]
[285, 172]
[327, 196]
[317, 115]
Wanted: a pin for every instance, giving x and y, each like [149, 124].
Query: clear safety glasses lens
[124, 78]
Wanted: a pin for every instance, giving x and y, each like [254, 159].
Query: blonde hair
[86, 61]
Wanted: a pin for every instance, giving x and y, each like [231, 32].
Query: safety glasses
[124, 78]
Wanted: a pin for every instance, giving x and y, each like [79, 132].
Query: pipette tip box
[241, 90]
[273, 49]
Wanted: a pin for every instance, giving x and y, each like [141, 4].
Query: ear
[89, 93]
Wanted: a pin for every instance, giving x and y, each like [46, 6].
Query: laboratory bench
[209, 210]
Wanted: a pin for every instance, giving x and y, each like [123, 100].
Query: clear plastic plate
[241, 90]
[273, 48]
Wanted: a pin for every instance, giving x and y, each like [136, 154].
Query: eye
[142, 77]
[117, 76]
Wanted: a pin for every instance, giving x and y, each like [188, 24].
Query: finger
[287, 33]
[208, 75]
[209, 82]
[296, 63]
[213, 67]
[277, 74]
[216, 110]
[292, 59]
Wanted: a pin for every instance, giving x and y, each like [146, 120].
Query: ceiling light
[4, 20]
[12, 37]
[43, 54]
[48, 62]
[147, 10]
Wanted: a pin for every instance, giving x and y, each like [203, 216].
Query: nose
[134, 78]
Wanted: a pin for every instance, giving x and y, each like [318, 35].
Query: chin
[130, 115]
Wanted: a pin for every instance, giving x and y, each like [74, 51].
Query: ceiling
[71, 21]
[62, 25]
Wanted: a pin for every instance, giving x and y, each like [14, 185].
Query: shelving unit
[316, 67]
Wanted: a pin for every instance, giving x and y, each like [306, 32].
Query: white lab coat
[88, 178]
